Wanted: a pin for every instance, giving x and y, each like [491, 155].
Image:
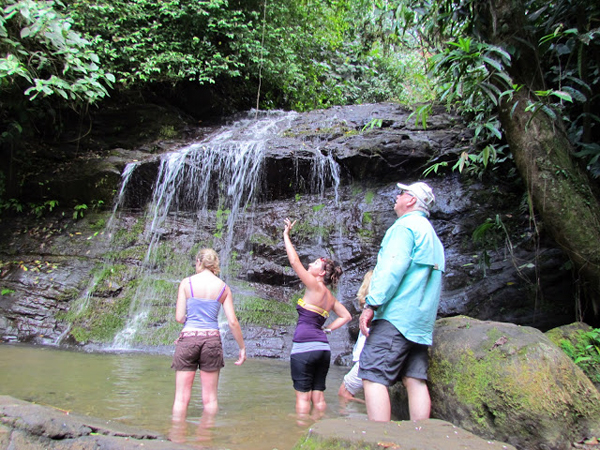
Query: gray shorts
[388, 356]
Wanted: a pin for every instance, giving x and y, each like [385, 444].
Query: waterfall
[323, 168]
[125, 177]
[210, 188]
[215, 180]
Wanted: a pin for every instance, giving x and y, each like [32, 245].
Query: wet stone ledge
[27, 426]
[431, 434]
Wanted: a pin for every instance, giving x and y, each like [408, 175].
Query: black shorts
[388, 356]
[309, 370]
[198, 352]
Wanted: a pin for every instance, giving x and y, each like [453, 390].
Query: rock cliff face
[110, 278]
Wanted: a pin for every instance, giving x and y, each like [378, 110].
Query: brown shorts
[198, 352]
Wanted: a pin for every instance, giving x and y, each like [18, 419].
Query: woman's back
[204, 285]
[320, 297]
[204, 292]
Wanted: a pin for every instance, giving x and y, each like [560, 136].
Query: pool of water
[256, 400]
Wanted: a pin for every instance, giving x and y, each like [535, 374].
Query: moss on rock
[510, 383]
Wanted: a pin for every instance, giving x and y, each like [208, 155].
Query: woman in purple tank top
[311, 353]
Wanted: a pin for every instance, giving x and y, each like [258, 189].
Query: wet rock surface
[27, 426]
[429, 434]
[511, 275]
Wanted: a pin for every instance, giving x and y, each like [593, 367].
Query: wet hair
[209, 259]
[363, 290]
[333, 272]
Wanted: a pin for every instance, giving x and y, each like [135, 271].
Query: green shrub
[585, 352]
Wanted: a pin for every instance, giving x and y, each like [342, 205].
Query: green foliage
[313, 443]
[44, 63]
[474, 79]
[98, 225]
[37, 209]
[222, 215]
[421, 114]
[475, 76]
[100, 321]
[79, 211]
[6, 291]
[165, 40]
[488, 236]
[45, 66]
[42, 53]
[373, 123]
[266, 313]
[585, 352]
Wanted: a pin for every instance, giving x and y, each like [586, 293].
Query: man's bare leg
[377, 399]
[419, 401]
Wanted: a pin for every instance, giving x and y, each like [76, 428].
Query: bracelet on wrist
[371, 307]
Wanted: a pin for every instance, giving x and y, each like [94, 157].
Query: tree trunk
[561, 193]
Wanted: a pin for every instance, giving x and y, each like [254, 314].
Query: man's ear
[412, 201]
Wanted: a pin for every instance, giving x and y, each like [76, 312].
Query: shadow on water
[256, 399]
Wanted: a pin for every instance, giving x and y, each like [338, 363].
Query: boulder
[511, 383]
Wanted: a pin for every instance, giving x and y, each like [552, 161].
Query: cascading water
[216, 180]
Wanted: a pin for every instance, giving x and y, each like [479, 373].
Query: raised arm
[234, 324]
[309, 281]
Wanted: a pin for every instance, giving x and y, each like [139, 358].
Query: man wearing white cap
[401, 307]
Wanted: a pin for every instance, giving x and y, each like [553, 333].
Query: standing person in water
[401, 307]
[352, 384]
[199, 345]
[311, 353]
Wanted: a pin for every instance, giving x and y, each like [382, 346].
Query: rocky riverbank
[27, 426]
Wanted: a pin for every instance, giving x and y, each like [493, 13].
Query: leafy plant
[421, 114]
[585, 352]
[79, 211]
[40, 209]
[474, 76]
[222, 216]
[488, 236]
[373, 123]
[44, 54]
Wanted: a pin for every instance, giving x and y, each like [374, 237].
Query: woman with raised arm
[199, 346]
[311, 353]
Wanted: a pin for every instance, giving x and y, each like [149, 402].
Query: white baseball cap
[420, 190]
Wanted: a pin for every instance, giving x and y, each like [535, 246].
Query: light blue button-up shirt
[407, 280]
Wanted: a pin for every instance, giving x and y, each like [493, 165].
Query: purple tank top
[309, 326]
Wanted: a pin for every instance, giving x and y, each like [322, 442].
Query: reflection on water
[256, 400]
